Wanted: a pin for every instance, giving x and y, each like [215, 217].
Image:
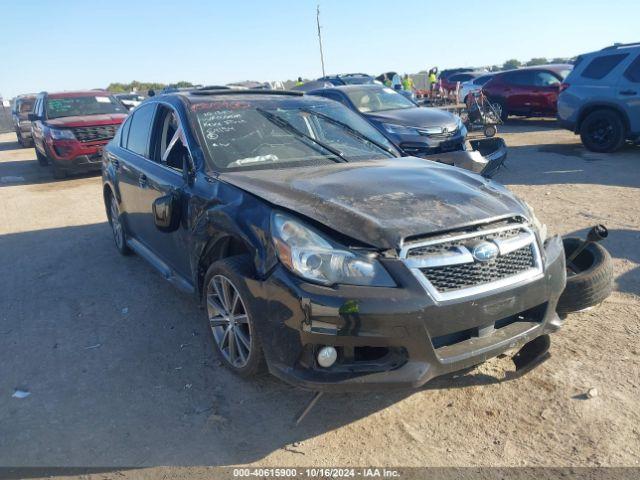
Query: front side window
[600, 67]
[246, 136]
[83, 105]
[378, 99]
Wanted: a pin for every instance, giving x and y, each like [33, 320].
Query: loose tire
[231, 314]
[602, 131]
[589, 277]
[117, 226]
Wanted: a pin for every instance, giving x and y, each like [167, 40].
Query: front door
[165, 174]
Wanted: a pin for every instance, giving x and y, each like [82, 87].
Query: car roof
[256, 97]
[26, 96]
[78, 93]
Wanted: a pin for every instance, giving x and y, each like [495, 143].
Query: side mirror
[32, 117]
[166, 213]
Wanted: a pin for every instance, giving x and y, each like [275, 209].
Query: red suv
[530, 91]
[70, 129]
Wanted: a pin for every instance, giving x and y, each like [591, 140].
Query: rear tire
[602, 131]
[231, 312]
[592, 283]
[117, 225]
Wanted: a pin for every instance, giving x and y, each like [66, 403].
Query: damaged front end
[485, 158]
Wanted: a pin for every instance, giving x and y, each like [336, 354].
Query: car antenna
[308, 407]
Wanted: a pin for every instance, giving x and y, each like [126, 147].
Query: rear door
[518, 91]
[36, 126]
[628, 93]
[132, 165]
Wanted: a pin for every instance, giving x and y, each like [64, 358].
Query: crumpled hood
[415, 117]
[87, 120]
[383, 201]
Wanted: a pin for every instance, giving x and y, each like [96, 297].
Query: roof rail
[288, 93]
[622, 45]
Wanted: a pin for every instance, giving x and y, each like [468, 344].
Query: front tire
[602, 131]
[43, 161]
[231, 314]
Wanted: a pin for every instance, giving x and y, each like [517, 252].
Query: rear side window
[633, 72]
[523, 77]
[601, 66]
[138, 137]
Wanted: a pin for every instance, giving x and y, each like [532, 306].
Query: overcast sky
[73, 44]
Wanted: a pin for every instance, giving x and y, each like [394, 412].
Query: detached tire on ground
[602, 131]
[43, 161]
[589, 277]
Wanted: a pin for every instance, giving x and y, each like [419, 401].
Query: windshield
[378, 99]
[241, 136]
[25, 106]
[85, 105]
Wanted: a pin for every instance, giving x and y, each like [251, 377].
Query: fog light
[327, 356]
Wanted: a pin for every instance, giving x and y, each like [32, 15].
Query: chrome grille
[465, 275]
[447, 268]
[96, 133]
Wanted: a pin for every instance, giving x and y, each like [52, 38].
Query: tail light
[563, 87]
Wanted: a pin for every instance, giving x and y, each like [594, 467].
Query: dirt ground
[120, 368]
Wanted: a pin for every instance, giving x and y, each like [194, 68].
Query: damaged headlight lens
[61, 134]
[306, 253]
[537, 224]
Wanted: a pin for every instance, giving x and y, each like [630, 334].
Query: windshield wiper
[350, 129]
[285, 124]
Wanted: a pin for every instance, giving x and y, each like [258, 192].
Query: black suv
[319, 251]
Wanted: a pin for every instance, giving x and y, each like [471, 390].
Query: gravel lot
[120, 369]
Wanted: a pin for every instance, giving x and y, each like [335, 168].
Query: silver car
[600, 99]
[22, 107]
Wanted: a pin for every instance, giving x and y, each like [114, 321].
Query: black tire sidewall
[236, 269]
[589, 287]
[614, 120]
[124, 249]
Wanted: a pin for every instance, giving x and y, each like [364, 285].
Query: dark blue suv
[600, 99]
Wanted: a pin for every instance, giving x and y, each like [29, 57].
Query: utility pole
[320, 39]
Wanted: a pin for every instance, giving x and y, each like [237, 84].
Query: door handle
[628, 92]
[143, 181]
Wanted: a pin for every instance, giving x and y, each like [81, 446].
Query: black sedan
[316, 251]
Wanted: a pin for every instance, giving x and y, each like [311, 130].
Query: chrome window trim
[508, 246]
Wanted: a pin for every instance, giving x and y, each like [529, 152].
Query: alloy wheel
[116, 226]
[229, 321]
[601, 132]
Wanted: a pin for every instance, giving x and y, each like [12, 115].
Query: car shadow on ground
[29, 172]
[121, 369]
[570, 164]
[11, 145]
[520, 124]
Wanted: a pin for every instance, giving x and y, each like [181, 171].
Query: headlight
[306, 253]
[399, 129]
[538, 225]
[61, 134]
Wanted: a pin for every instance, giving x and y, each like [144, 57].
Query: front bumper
[397, 337]
[486, 157]
[72, 155]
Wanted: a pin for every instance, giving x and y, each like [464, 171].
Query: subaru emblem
[485, 251]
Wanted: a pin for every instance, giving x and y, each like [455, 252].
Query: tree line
[143, 87]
